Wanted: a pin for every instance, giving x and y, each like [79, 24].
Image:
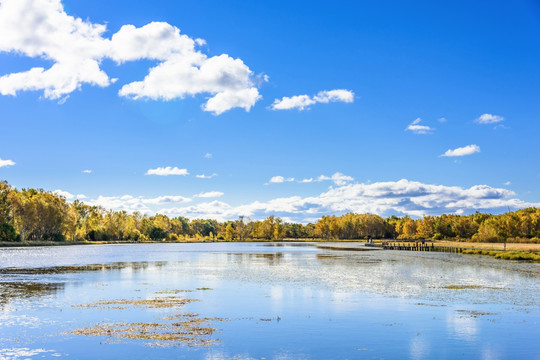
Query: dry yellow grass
[495, 246]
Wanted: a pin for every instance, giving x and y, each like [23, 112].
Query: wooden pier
[416, 246]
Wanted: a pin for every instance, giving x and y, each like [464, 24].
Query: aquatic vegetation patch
[174, 291]
[26, 289]
[473, 313]
[158, 302]
[432, 305]
[465, 287]
[66, 269]
[190, 331]
[185, 328]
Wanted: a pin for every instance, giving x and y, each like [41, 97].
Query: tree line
[35, 214]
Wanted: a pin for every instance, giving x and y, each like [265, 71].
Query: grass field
[492, 246]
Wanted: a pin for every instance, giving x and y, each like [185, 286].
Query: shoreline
[514, 251]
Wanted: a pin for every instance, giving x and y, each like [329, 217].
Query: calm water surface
[255, 301]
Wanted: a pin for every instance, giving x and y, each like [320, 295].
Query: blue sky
[363, 98]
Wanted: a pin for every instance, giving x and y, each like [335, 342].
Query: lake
[264, 301]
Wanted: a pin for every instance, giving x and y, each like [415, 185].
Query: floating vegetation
[159, 302]
[189, 331]
[173, 330]
[278, 319]
[433, 305]
[204, 288]
[174, 291]
[26, 289]
[473, 313]
[465, 287]
[330, 256]
[141, 265]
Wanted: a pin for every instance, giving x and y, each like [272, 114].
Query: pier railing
[416, 246]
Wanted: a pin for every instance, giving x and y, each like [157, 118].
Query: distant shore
[508, 251]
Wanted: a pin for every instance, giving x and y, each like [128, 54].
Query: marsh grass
[506, 255]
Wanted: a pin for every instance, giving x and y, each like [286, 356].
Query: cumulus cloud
[166, 171]
[401, 197]
[203, 176]
[42, 29]
[210, 194]
[136, 203]
[69, 196]
[165, 199]
[489, 119]
[207, 156]
[65, 194]
[338, 178]
[418, 129]
[303, 102]
[87, 171]
[6, 163]
[279, 179]
[462, 151]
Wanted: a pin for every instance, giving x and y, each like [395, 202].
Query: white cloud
[300, 102]
[227, 79]
[209, 194]
[166, 171]
[462, 151]
[442, 120]
[418, 129]
[203, 176]
[6, 162]
[338, 179]
[207, 156]
[136, 203]
[87, 171]
[279, 179]
[338, 95]
[165, 199]
[508, 183]
[303, 102]
[489, 119]
[42, 29]
[81, 196]
[401, 197]
[65, 194]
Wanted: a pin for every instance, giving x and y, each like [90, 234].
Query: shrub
[8, 233]
[54, 237]
[157, 233]
[97, 235]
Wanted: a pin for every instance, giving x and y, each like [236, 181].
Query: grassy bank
[506, 255]
[490, 245]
